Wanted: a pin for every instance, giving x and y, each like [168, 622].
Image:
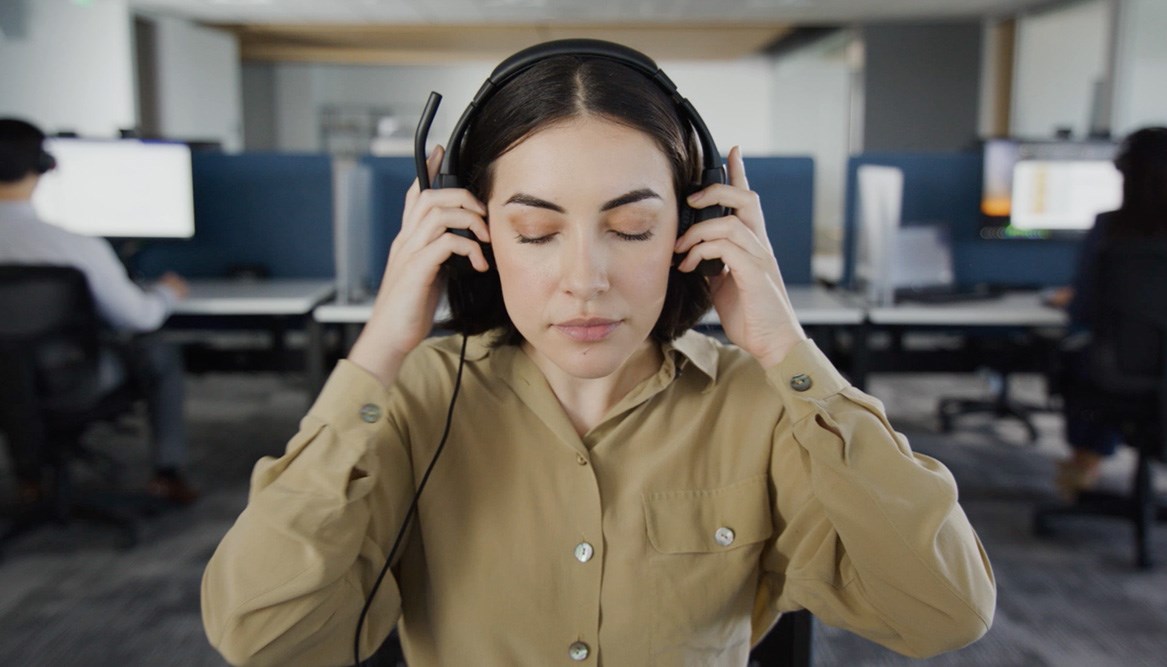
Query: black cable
[357, 662]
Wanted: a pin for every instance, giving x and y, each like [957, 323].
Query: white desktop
[118, 188]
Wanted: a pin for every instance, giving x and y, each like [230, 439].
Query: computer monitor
[1047, 189]
[118, 188]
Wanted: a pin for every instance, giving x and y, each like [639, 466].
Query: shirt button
[580, 459]
[800, 382]
[724, 536]
[370, 413]
[578, 651]
[583, 552]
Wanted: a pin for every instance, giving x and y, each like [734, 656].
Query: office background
[810, 90]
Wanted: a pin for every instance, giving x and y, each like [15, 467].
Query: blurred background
[298, 116]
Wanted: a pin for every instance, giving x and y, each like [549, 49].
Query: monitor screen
[1047, 189]
[123, 188]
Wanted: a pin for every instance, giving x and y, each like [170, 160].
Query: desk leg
[860, 356]
[314, 357]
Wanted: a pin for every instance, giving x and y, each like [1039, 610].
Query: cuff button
[370, 413]
[800, 382]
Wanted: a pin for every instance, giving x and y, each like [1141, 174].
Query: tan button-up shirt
[712, 498]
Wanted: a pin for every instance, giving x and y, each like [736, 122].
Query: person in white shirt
[151, 364]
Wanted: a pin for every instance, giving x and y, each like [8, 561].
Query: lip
[587, 330]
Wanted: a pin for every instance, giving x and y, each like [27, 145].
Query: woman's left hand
[749, 295]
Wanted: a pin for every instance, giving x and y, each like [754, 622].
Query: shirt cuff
[804, 379]
[351, 398]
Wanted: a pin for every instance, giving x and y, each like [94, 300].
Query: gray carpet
[68, 596]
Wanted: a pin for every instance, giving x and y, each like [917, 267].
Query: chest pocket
[703, 567]
[709, 520]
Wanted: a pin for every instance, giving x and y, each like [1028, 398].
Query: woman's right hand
[403, 312]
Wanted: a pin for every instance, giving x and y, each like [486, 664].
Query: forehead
[582, 155]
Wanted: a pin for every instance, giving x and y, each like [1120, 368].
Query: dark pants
[1086, 429]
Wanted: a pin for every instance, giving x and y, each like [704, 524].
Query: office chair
[50, 393]
[787, 645]
[1127, 362]
[1002, 355]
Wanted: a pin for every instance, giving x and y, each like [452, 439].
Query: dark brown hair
[1142, 159]
[554, 90]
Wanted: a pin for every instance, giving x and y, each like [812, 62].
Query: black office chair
[50, 393]
[788, 644]
[1005, 353]
[1127, 361]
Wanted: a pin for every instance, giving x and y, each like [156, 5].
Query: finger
[433, 164]
[442, 221]
[730, 228]
[746, 204]
[737, 169]
[735, 258]
[445, 198]
[726, 195]
[442, 249]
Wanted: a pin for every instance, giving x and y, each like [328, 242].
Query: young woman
[617, 489]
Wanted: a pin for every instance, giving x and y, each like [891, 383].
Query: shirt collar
[696, 350]
[17, 211]
[690, 349]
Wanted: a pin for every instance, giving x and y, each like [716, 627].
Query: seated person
[617, 488]
[154, 366]
[1142, 159]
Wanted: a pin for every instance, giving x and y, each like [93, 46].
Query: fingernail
[696, 196]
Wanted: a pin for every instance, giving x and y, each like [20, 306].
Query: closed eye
[642, 236]
[534, 240]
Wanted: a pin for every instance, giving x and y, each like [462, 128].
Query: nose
[584, 268]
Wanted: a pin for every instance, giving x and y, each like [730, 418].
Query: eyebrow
[627, 198]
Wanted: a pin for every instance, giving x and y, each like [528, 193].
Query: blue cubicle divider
[947, 187]
[391, 177]
[272, 211]
[784, 184]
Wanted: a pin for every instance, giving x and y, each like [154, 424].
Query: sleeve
[121, 303]
[869, 535]
[288, 581]
[1084, 302]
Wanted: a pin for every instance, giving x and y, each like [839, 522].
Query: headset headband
[590, 48]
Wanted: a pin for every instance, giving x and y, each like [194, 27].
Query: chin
[586, 361]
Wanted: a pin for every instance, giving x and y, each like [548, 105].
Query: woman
[617, 488]
[1142, 160]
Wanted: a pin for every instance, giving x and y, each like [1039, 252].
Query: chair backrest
[49, 336]
[1128, 355]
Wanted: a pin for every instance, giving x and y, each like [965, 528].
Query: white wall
[1061, 54]
[1141, 65]
[198, 83]
[72, 69]
[733, 97]
[810, 115]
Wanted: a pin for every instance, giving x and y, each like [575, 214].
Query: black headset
[712, 171]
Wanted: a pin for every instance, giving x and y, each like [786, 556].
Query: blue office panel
[946, 187]
[391, 177]
[272, 211]
[784, 184]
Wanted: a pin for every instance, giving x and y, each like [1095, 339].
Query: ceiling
[419, 31]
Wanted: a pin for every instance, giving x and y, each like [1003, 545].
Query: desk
[273, 301]
[1017, 309]
[273, 297]
[815, 306]
[980, 319]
